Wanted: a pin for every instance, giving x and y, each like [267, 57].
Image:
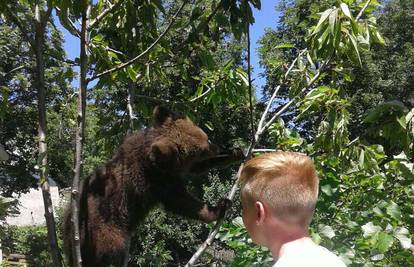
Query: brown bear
[147, 170]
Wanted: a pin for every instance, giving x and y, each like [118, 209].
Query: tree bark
[80, 130]
[40, 25]
[130, 106]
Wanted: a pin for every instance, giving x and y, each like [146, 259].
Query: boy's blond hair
[285, 181]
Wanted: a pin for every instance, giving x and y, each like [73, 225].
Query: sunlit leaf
[403, 235]
[284, 46]
[377, 257]
[402, 122]
[327, 189]
[370, 229]
[327, 231]
[324, 16]
[394, 210]
[332, 21]
[345, 9]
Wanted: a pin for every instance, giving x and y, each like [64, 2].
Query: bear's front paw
[223, 205]
[238, 154]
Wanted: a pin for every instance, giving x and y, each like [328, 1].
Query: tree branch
[68, 23]
[14, 70]
[362, 10]
[46, 16]
[202, 95]
[206, 92]
[80, 133]
[288, 104]
[132, 61]
[40, 22]
[217, 225]
[107, 48]
[104, 13]
[264, 115]
[249, 76]
[154, 99]
[261, 150]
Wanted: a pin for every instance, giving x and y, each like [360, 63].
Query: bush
[30, 241]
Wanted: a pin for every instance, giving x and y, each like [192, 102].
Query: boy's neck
[282, 245]
[282, 249]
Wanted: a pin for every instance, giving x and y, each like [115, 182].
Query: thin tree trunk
[130, 106]
[42, 131]
[77, 259]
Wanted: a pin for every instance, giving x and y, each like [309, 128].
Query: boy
[278, 192]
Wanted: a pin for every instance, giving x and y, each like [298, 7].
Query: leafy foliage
[355, 119]
[363, 213]
[30, 241]
[235, 236]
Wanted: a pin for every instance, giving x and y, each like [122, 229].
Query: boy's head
[283, 184]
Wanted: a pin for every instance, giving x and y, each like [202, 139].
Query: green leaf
[309, 59]
[384, 242]
[284, 46]
[378, 37]
[209, 126]
[132, 74]
[361, 159]
[394, 210]
[355, 46]
[402, 122]
[207, 59]
[238, 221]
[332, 20]
[324, 16]
[327, 189]
[242, 75]
[316, 238]
[369, 229]
[348, 2]
[327, 231]
[345, 10]
[322, 39]
[377, 257]
[403, 235]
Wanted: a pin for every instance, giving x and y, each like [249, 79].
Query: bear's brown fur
[146, 171]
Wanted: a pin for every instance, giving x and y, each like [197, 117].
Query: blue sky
[266, 17]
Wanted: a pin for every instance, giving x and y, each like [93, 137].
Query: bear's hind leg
[111, 246]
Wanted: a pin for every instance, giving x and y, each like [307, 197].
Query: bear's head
[179, 143]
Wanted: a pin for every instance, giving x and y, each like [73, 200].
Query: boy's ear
[261, 212]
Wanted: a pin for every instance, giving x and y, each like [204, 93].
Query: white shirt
[309, 255]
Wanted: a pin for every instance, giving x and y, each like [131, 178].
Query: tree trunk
[42, 131]
[80, 130]
[130, 106]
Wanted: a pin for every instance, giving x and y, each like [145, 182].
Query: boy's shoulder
[314, 256]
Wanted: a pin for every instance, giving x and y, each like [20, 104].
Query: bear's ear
[163, 152]
[161, 115]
